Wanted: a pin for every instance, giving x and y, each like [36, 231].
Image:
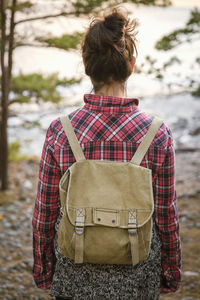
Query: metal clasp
[61, 211]
[79, 230]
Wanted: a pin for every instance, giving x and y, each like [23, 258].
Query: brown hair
[108, 48]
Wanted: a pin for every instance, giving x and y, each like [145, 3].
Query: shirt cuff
[171, 277]
[43, 281]
[43, 273]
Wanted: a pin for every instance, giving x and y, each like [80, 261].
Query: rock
[182, 149]
[196, 131]
[9, 286]
[8, 258]
[3, 270]
[197, 225]
[20, 289]
[20, 254]
[7, 224]
[192, 286]
[23, 265]
[13, 270]
[11, 209]
[11, 232]
[183, 219]
[188, 298]
[25, 188]
[27, 184]
[190, 273]
[179, 181]
[14, 226]
[18, 279]
[29, 263]
[9, 278]
[189, 215]
[14, 297]
[181, 123]
[2, 236]
[190, 225]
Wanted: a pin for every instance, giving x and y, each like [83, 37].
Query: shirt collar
[110, 104]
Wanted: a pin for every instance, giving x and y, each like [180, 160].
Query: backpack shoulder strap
[73, 141]
[146, 142]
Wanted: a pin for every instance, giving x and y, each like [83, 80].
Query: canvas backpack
[106, 206]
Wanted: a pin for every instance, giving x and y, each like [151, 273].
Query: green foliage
[15, 152]
[66, 41]
[22, 6]
[182, 35]
[88, 6]
[37, 87]
[198, 60]
[173, 39]
[171, 62]
[30, 125]
[196, 92]
[150, 66]
[189, 33]
[194, 18]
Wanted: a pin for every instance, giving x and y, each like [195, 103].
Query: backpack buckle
[79, 230]
[132, 231]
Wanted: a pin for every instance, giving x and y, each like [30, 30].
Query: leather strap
[146, 142]
[79, 237]
[133, 236]
[73, 141]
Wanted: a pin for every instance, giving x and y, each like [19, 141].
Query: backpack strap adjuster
[133, 235]
[79, 237]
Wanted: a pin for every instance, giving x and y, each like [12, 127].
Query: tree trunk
[4, 105]
[6, 73]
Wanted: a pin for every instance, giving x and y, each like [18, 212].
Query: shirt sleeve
[45, 214]
[166, 217]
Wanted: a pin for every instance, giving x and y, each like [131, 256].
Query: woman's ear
[133, 62]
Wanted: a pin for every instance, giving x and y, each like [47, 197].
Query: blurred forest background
[42, 78]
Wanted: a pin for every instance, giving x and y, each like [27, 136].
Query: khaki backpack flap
[106, 206]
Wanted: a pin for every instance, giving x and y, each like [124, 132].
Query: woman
[109, 126]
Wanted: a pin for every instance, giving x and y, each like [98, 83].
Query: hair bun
[108, 48]
[115, 21]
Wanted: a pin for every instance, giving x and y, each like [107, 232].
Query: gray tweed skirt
[114, 282]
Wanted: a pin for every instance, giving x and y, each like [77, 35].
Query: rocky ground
[16, 207]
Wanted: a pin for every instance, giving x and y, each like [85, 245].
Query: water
[180, 111]
[154, 23]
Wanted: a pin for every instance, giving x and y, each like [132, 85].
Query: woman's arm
[166, 217]
[45, 214]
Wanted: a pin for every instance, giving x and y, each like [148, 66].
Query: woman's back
[108, 127]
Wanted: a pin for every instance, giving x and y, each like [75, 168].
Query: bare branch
[61, 14]
[33, 45]
[45, 17]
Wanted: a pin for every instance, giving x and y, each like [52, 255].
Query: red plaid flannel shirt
[108, 128]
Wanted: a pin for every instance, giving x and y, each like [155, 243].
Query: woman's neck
[114, 89]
